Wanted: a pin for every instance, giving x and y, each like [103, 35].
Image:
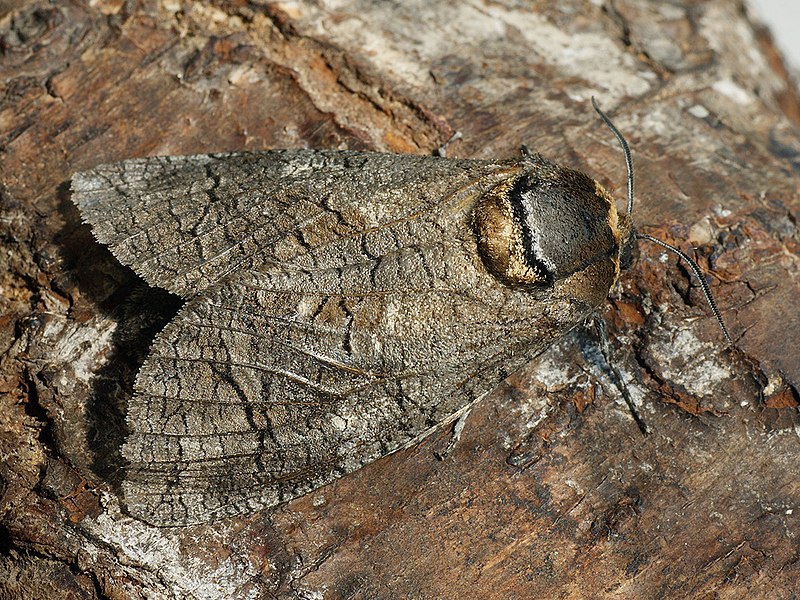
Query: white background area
[783, 19]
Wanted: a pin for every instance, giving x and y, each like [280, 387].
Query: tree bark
[553, 490]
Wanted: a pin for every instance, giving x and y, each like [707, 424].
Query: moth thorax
[501, 241]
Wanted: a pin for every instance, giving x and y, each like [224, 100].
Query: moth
[338, 305]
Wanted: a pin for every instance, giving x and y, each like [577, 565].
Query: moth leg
[442, 150]
[616, 376]
[458, 428]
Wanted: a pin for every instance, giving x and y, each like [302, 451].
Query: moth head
[549, 226]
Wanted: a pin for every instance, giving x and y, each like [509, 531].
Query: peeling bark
[553, 491]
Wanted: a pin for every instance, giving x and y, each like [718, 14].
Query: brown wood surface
[553, 492]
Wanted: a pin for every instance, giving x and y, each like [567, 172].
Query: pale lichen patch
[78, 347]
[698, 371]
[160, 552]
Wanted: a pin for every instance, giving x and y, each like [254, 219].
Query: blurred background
[783, 18]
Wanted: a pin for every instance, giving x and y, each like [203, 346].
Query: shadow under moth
[339, 306]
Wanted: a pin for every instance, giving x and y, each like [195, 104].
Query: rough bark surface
[553, 490]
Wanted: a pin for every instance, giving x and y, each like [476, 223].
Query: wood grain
[553, 491]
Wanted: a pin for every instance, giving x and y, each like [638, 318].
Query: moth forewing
[340, 305]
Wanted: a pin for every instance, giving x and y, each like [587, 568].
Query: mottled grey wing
[276, 382]
[337, 310]
[185, 222]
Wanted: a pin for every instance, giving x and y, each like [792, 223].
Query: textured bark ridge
[553, 490]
